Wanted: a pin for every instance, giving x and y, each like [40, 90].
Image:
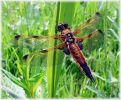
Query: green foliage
[55, 74]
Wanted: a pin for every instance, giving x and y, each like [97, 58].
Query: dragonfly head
[62, 27]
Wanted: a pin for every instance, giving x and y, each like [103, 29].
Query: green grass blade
[50, 57]
[66, 14]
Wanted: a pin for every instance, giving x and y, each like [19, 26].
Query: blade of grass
[66, 14]
[37, 84]
[50, 58]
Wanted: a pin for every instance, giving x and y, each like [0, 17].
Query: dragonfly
[71, 45]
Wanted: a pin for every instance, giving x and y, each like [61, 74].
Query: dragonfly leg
[80, 45]
[66, 51]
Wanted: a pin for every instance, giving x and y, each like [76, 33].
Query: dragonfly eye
[65, 25]
[61, 27]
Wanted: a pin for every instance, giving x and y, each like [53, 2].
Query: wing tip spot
[44, 51]
[88, 20]
[17, 37]
[25, 57]
[100, 31]
[98, 14]
[35, 36]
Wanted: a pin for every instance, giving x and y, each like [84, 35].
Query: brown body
[72, 45]
[74, 49]
[76, 53]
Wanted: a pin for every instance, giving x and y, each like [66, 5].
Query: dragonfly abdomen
[79, 58]
[76, 53]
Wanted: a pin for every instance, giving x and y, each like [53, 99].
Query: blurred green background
[56, 75]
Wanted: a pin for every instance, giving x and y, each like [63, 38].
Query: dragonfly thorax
[69, 38]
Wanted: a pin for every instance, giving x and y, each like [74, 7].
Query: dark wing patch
[98, 14]
[44, 51]
[100, 31]
[36, 37]
[17, 37]
[25, 57]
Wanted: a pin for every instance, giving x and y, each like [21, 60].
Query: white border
[65, 1]
[62, 0]
[0, 44]
[120, 51]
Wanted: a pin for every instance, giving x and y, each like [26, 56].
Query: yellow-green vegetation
[55, 75]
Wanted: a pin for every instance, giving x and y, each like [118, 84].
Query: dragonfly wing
[44, 51]
[36, 37]
[89, 22]
[60, 46]
[89, 35]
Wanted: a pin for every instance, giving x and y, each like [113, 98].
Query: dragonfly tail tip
[92, 80]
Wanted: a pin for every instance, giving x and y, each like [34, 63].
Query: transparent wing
[36, 37]
[44, 51]
[89, 22]
[81, 39]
